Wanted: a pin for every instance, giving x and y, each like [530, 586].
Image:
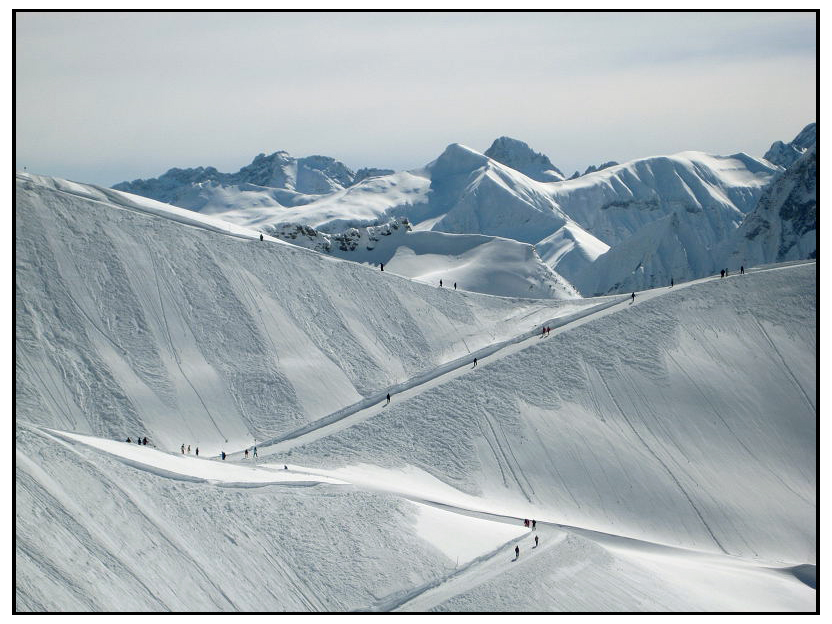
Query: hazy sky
[106, 97]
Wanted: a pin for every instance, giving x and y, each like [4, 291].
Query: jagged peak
[519, 156]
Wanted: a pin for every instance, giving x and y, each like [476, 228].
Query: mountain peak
[519, 156]
[785, 154]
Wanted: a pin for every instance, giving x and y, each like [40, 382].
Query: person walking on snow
[722, 273]
[634, 299]
[189, 449]
[246, 454]
[535, 541]
[223, 455]
[516, 552]
[183, 448]
[261, 237]
[440, 283]
[475, 362]
[255, 451]
[197, 451]
[534, 525]
[671, 282]
[388, 399]
[144, 441]
[742, 270]
[382, 266]
[454, 285]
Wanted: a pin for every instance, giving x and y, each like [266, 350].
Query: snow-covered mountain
[666, 448]
[269, 181]
[716, 191]
[783, 226]
[785, 154]
[509, 192]
[484, 264]
[520, 157]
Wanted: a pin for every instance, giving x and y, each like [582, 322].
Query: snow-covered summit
[519, 156]
[785, 154]
[288, 180]
[783, 225]
[615, 202]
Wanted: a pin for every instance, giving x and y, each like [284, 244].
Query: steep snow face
[662, 420]
[473, 262]
[785, 154]
[666, 447]
[520, 157]
[612, 204]
[660, 251]
[128, 322]
[479, 195]
[783, 226]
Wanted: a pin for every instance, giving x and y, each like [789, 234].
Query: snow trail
[369, 407]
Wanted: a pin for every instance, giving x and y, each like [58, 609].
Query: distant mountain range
[616, 228]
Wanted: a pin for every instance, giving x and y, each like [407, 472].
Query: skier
[388, 399]
[516, 552]
[475, 361]
[223, 455]
[742, 270]
[535, 541]
[255, 451]
[183, 448]
[261, 237]
[382, 266]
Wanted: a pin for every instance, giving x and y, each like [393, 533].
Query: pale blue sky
[106, 97]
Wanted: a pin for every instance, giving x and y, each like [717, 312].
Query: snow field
[666, 447]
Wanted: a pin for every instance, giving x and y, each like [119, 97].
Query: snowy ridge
[508, 192]
[639, 434]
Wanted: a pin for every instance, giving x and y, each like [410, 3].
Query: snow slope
[117, 309]
[484, 264]
[666, 447]
[711, 193]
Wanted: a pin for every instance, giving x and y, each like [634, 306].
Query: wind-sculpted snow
[133, 324]
[688, 406]
[666, 447]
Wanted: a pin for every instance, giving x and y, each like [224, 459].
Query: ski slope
[666, 446]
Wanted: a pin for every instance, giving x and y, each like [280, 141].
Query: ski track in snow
[429, 594]
[367, 408]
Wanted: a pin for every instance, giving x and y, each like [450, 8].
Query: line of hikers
[527, 523]
[139, 441]
[188, 450]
